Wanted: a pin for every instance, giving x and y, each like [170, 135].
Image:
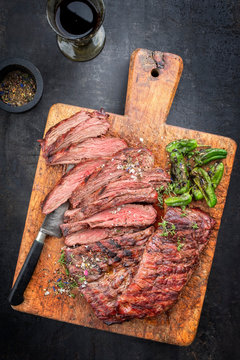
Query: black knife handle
[16, 294]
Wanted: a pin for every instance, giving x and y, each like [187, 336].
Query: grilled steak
[89, 236]
[128, 161]
[68, 183]
[89, 149]
[166, 266]
[105, 268]
[126, 215]
[125, 277]
[118, 193]
[75, 129]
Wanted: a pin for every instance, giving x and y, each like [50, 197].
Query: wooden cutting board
[153, 79]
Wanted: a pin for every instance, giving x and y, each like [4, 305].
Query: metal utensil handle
[20, 285]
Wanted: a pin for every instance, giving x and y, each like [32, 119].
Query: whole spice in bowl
[21, 85]
[17, 88]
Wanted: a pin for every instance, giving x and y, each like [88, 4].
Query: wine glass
[78, 25]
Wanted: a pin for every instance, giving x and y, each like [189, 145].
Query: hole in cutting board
[155, 72]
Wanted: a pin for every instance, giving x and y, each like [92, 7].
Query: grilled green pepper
[179, 173]
[204, 156]
[183, 146]
[216, 173]
[204, 184]
[182, 200]
[197, 194]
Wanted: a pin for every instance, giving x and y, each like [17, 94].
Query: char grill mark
[89, 149]
[108, 276]
[166, 266]
[140, 274]
[105, 253]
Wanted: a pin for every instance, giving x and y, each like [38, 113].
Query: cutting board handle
[152, 82]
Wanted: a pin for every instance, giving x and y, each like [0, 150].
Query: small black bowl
[12, 64]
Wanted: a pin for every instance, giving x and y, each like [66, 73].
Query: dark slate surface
[206, 35]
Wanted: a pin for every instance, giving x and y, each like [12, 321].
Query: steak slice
[166, 266]
[70, 228]
[118, 193]
[61, 128]
[88, 149]
[105, 268]
[89, 236]
[156, 177]
[66, 185]
[125, 162]
[126, 215]
[77, 128]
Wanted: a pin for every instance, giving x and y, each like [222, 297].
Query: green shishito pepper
[197, 194]
[182, 200]
[215, 172]
[204, 184]
[179, 173]
[183, 146]
[207, 155]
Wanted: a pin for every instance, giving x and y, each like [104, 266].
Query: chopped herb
[73, 284]
[60, 284]
[194, 226]
[81, 278]
[160, 196]
[168, 228]
[62, 259]
[184, 212]
[179, 245]
[170, 189]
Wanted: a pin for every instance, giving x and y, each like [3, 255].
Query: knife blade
[51, 227]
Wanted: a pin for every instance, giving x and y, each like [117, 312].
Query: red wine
[76, 18]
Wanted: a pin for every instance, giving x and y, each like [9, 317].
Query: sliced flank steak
[89, 236]
[126, 162]
[77, 128]
[68, 183]
[126, 215]
[88, 150]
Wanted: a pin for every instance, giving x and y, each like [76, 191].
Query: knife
[51, 227]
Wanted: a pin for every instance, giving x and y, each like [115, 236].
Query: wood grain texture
[147, 106]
